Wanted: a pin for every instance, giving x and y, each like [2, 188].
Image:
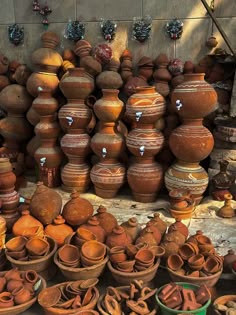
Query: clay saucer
[16, 244]
[93, 250]
[145, 256]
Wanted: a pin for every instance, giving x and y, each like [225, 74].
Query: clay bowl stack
[85, 262]
[69, 297]
[19, 290]
[182, 206]
[32, 254]
[134, 263]
[196, 262]
[133, 299]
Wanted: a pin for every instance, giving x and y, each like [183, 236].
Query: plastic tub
[169, 311]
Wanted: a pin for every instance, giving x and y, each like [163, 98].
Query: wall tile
[94, 10]
[62, 11]
[7, 12]
[169, 9]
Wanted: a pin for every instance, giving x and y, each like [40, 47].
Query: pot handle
[90, 101]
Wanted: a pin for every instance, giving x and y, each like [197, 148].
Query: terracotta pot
[197, 97]
[4, 63]
[77, 210]
[108, 177]
[22, 74]
[175, 262]
[94, 226]
[16, 243]
[146, 237]
[187, 176]
[77, 84]
[37, 246]
[21, 295]
[82, 48]
[159, 223]
[6, 300]
[227, 211]
[179, 226]
[191, 142]
[229, 259]
[109, 80]
[162, 88]
[93, 250]
[107, 220]
[46, 80]
[156, 233]
[170, 247]
[145, 178]
[147, 101]
[186, 251]
[58, 230]
[132, 83]
[188, 67]
[132, 227]
[69, 255]
[23, 226]
[45, 204]
[118, 237]
[222, 180]
[109, 107]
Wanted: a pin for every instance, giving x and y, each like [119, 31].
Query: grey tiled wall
[191, 46]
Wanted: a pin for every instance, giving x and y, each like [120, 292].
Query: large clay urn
[77, 210]
[194, 97]
[144, 142]
[48, 155]
[76, 84]
[46, 61]
[45, 204]
[191, 176]
[191, 142]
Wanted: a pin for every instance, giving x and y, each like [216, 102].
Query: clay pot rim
[215, 275]
[52, 251]
[101, 247]
[133, 274]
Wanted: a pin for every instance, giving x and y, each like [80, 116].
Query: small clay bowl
[194, 246]
[186, 251]
[144, 256]
[93, 250]
[212, 265]
[17, 254]
[117, 250]
[37, 246]
[49, 297]
[16, 244]
[69, 254]
[126, 265]
[119, 257]
[175, 262]
[157, 250]
[86, 262]
[196, 262]
[85, 234]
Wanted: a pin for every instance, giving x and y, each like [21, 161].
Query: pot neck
[145, 90]
[194, 77]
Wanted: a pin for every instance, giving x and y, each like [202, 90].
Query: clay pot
[170, 247]
[211, 265]
[229, 259]
[45, 204]
[31, 277]
[179, 226]
[37, 246]
[69, 255]
[91, 65]
[14, 284]
[186, 251]
[145, 256]
[4, 81]
[77, 210]
[118, 237]
[222, 180]
[179, 198]
[109, 80]
[133, 83]
[191, 142]
[82, 48]
[188, 67]
[211, 42]
[156, 233]
[21, 295]
[94, 226]
[58, 230]
[76, 84]
[44, 80]
[7, 177]
[93, 250]
[175, 235]
[197, 103]
[227, 210]
[26, 224]
[132, 228]
[175, 262]
[162, 88]
[147, 237]
[16, 243]
[196, 262]
[107, 220]
[84, 235]
[159, 223]
[187, 176]
[22, 74]
[6, 300]
[13, 274]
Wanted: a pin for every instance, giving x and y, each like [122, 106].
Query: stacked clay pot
[162, 75]
[9, 197]
[144, 175]
[48, 155]
[191, 142]
[76, 85]
[46, 61]
[14, 128]
[108, 175]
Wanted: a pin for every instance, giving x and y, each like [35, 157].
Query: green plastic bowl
[169, 311]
